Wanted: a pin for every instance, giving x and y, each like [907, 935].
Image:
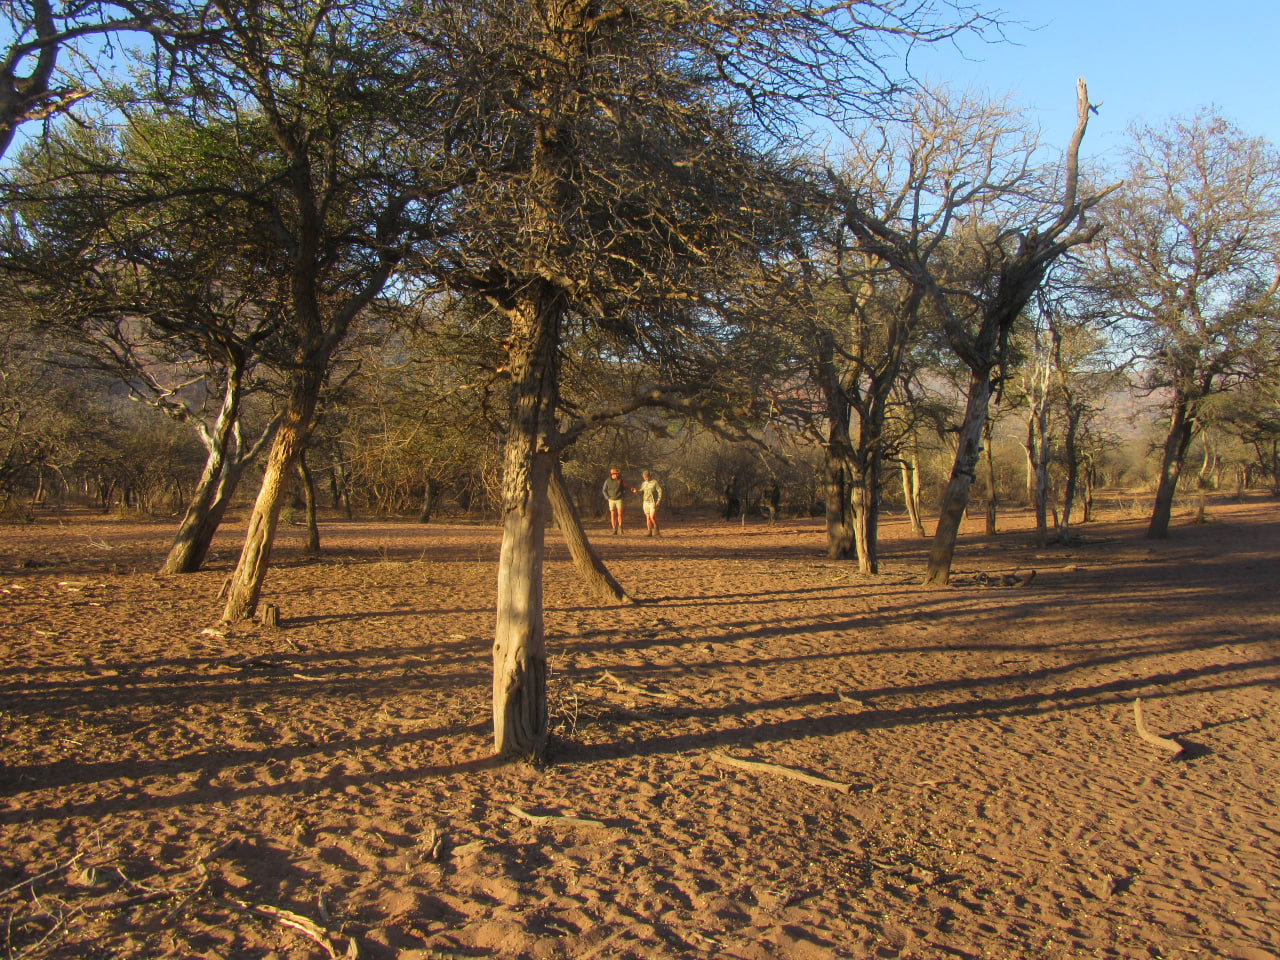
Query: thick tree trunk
[585, 560]
[290, 439]
[956, 498]
[839, 526]
[1181, 429]
[309, 498]
[519, 649]
[864, 499]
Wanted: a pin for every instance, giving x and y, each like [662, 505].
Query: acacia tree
[612, 187]
[1191, 267]
[330, 171]
[117, 253]
[1005, 222]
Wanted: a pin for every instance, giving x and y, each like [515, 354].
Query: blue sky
[1145, 62]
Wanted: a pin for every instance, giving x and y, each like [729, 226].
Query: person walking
[651, 496]
[614, 490]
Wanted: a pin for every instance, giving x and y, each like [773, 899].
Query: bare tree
[1001, 224]
[1190, 265]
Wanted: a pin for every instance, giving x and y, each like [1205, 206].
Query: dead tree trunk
[585, 560]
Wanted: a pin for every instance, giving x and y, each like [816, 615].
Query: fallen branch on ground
[295, 921]
[631, 688]
[554, 821]
[1173, 746]
[788, 772]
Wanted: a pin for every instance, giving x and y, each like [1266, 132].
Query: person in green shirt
[651, 494]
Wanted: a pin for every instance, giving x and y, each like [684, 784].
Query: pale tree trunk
[1202, 481]
[1042, 478]
[585, 560]
[910, 469]
[309, 497]
[519, 649]
[865, 509]
[290, 439]
[993, 500]
[1089, 474]
[956, 498]
[195, 532]
[1181, 430]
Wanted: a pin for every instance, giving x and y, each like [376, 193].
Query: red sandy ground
[173, 788]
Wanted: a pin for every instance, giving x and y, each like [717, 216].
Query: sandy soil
[172, 788]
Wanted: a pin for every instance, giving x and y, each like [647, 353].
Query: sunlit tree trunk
[1178, 439]
[290, 439]
[992, 494]
[910, 468]
[199, 523]
[956, 498]
[519, 649]
[585, 560]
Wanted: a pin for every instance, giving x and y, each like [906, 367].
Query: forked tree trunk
[519, 649]
[199, 524]
[1181, 429]
[309, 498]
[864, 500]
[956, 498]
[585, 560]
[910, 469]
[290, 439]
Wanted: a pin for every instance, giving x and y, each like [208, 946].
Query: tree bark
[195, 532]
[956, 498]
[290, 439]
[519, 649]
[309, 497]
[864, 500]
[585, 560]
[1181, 428]
[992, 497]
[1072, 479]
[911, 492]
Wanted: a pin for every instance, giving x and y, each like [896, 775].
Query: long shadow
[809, 727]
[123, 692]
[209, 794]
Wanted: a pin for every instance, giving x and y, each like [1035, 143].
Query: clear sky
[1144, 61]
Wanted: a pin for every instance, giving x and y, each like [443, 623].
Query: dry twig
[791, 774]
